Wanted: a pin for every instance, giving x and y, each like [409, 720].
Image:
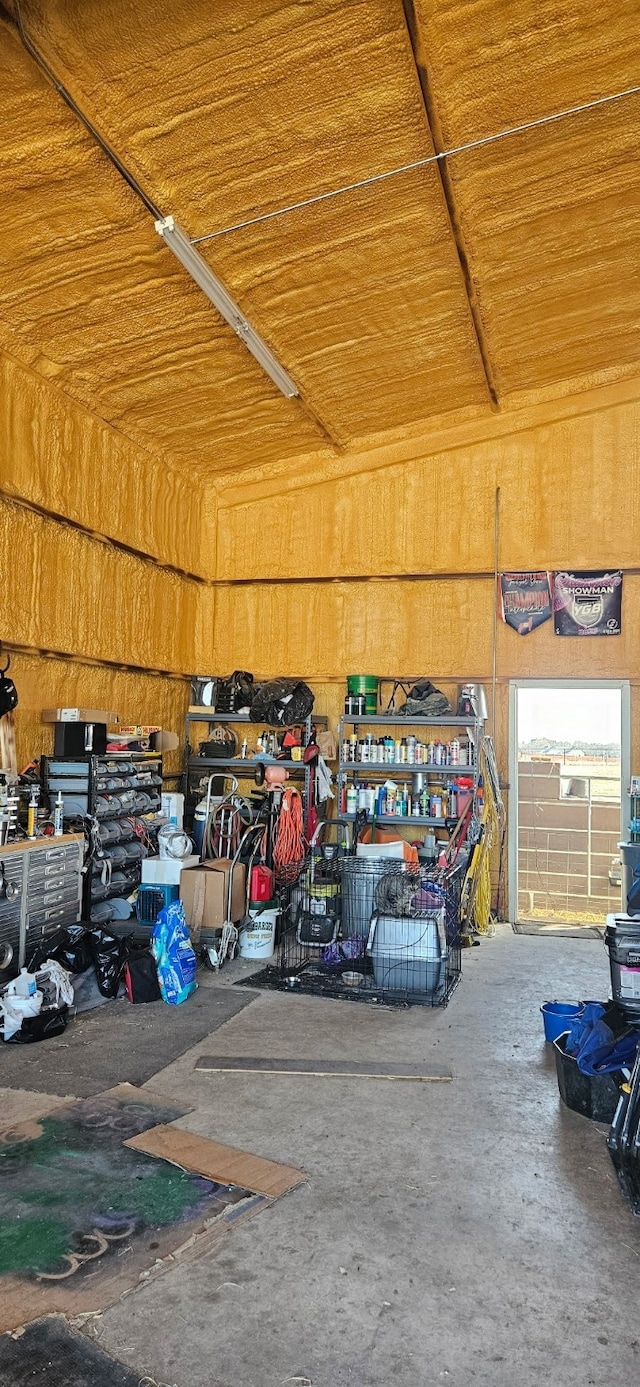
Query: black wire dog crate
[372, 929]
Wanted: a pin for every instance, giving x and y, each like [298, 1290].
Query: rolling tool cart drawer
[40, 889]
[12, 866]
[67, 913]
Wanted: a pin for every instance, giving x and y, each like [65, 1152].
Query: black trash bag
[44, 1026]
[70, 946]
[140, 975]
[424, 700]
[282, 702]
[8, 691]
[109, 956]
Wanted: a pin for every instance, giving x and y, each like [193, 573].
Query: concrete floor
[469, 1232]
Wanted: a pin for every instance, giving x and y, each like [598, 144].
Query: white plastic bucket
[259, 940]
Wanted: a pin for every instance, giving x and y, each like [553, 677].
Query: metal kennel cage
[371, 929]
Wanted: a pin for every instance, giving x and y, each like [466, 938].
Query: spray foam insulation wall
[569, 497]
[76, 593]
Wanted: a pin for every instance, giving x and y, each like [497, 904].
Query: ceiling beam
[418, 49]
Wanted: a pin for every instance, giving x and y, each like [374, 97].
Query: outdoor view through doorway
[569, 747]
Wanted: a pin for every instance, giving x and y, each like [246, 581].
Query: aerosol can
[58, 815]
[32, 812]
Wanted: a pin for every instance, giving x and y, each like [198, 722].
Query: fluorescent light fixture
[194, 264]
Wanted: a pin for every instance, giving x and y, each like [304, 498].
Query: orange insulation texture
[74, 594]
[67, 591]
[569, 497]
[58, 456]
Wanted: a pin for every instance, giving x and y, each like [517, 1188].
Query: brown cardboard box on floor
[203, 892]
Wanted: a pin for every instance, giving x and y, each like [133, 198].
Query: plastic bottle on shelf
[352, 799]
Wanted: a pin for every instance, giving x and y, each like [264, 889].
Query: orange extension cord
[289, 847]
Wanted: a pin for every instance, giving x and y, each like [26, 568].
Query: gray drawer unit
[12, 867]
[40, 889]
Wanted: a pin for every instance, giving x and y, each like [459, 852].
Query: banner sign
[588, 604]
[525, 600]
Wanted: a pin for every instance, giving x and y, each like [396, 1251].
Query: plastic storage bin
[593, 1095]
[409, 954]
[622, 938]
[630, 855]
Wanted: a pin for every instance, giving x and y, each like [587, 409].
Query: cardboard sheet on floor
[217, 1162]
[324, 1069]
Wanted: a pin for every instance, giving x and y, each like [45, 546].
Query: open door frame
[625, 761]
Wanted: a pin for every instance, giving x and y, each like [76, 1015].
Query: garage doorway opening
[569, 746]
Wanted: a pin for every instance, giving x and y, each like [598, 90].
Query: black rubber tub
[593, 1095]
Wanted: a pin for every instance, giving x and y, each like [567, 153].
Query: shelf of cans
[396, 753]
[436, 803]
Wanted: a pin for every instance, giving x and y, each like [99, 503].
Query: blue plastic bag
[173, 952]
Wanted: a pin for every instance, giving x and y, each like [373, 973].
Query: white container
[24, 985]
[259, 940]
[172, 808]
[165, 871]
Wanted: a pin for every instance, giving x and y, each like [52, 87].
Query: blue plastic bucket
[557, 1017]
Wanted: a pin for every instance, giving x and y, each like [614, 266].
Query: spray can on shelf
[32, 812]
[455, 752]
[58, 815]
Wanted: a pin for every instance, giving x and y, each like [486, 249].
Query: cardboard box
[166, 871]
[164, 741]
[203, 892]
[79, 715]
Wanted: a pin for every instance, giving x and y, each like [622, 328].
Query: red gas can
[261, 885]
